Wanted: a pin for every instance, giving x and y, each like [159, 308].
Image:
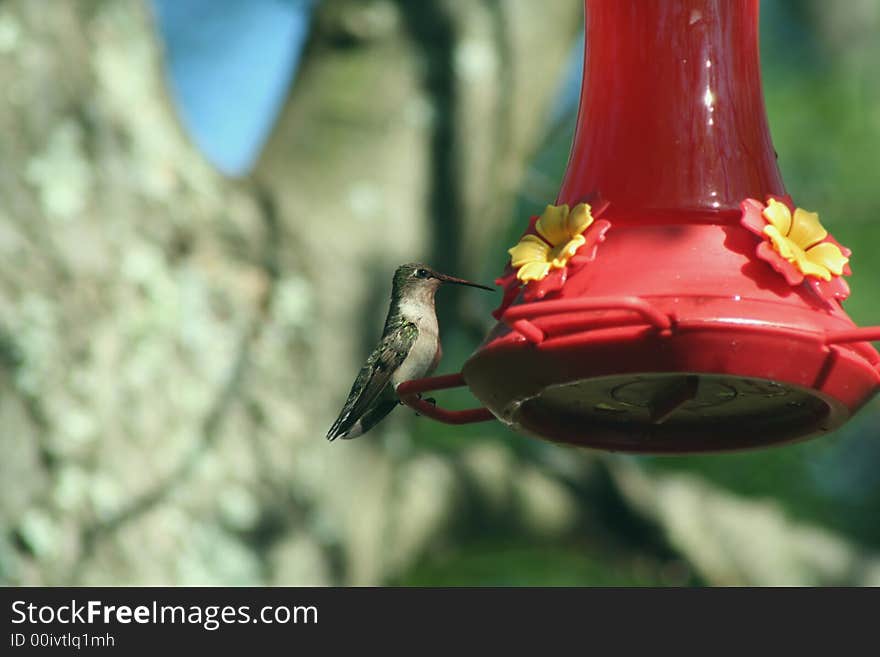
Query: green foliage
[511, 564]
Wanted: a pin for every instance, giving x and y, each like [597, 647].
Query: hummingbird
[409, 349]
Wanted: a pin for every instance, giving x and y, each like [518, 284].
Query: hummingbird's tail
[337, 431]
[348, 427]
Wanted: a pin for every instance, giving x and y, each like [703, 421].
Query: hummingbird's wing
[373, 380]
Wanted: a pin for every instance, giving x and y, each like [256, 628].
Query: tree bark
[174, 344]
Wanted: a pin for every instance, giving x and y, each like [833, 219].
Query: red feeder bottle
[680, 326]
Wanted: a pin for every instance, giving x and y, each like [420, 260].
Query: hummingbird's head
[415, 278]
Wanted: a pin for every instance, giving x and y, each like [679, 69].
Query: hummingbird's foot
[430, 400]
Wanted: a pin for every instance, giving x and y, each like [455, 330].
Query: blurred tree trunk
[173, 344]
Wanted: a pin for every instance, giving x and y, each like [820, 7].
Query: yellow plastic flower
[798, 239]
[533, 257]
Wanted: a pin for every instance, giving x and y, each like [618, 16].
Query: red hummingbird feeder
[674, 298]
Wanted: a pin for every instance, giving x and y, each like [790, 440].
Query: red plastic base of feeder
[587, 376]
[698, 385]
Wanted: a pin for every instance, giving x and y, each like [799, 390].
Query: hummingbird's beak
[460, 281]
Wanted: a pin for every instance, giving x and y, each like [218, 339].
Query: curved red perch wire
[409, 392]
[518, 317]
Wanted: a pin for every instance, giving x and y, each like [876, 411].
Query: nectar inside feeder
[673, 298]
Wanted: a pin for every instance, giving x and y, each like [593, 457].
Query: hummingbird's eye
[422, 273]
